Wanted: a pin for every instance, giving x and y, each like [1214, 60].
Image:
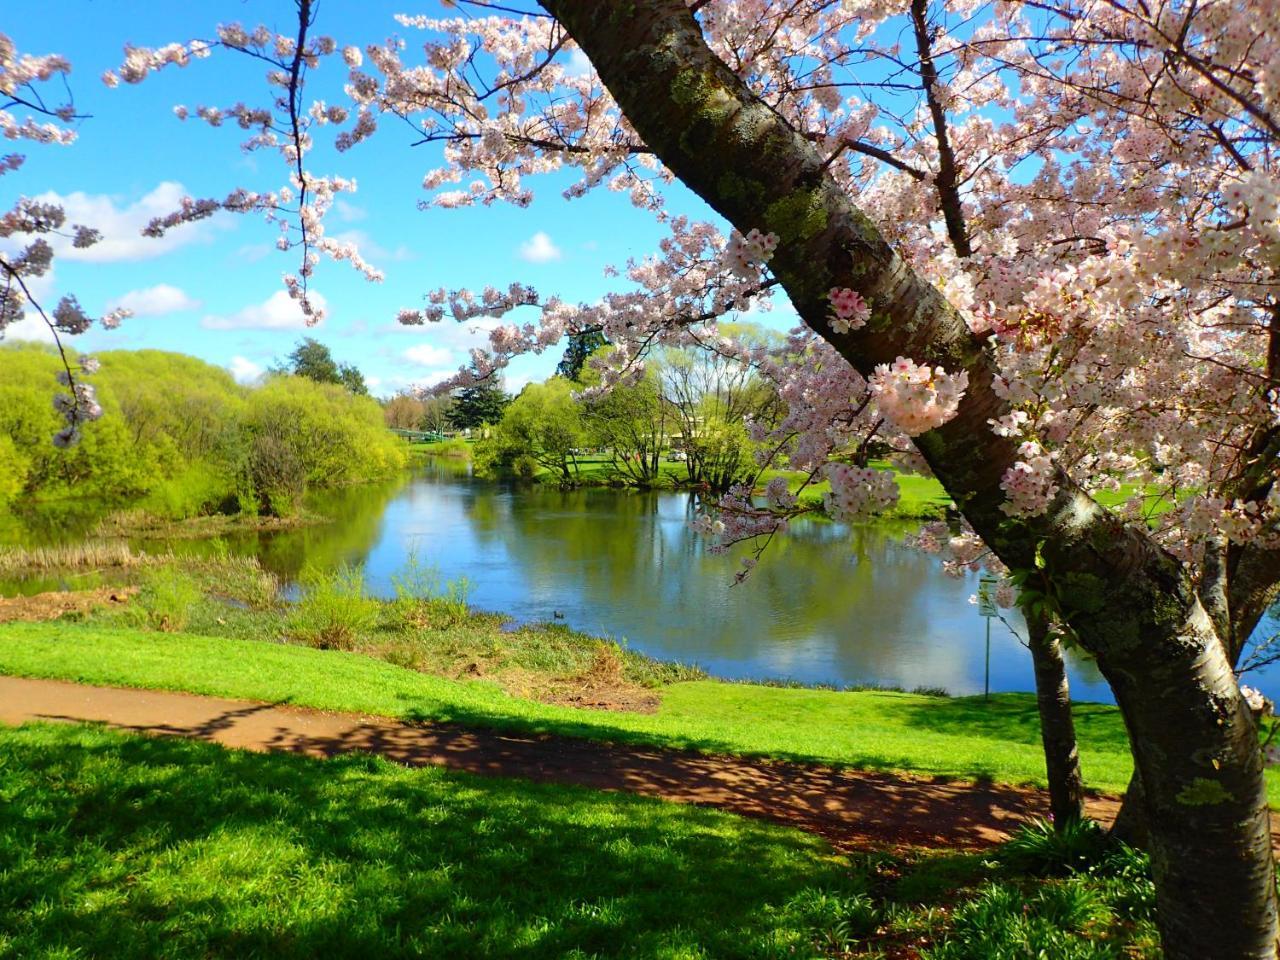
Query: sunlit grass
[957, 737]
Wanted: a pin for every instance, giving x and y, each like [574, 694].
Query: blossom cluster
[850, 310]
[1031, 482]
[858, 491]
[917, 398]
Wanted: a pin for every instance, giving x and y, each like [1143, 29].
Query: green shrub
[334, 610]
[13, 471]
[167, 598]
[198, 489]
[423, 601]
[1040, 850]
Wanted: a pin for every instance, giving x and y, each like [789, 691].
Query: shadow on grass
[126, 847]
[1013, 718]
[853, 810]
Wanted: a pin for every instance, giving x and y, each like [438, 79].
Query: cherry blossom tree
[1033, 246]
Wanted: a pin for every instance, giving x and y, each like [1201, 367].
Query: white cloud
[277, 312]
[156, 301]
[121, 224]
[539, 249]
[348, 212]
[30, 327]
[245, 370]
[429, 355]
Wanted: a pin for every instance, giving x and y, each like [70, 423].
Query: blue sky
[213, 289]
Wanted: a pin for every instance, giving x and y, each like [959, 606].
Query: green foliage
[477, 405]
[333, 611]
[13, 471]
[542, 427]
[630, 421]
[314, 361]
[166, 599]
[1040, 849]
[181, 438]
[579, 349]
[322, 433]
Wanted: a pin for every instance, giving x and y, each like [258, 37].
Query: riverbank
[219, 627]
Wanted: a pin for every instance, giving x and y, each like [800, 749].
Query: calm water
[828, 603]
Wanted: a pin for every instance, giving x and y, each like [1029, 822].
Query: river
[828, 603]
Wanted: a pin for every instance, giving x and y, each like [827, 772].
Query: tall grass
[334, 609]
[422, 599]
[79, 556]
[166, 599]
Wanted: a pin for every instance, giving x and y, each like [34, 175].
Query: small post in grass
[987, 607]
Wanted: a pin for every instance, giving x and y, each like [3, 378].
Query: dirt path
[851, 809]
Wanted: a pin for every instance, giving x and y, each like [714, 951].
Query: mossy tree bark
[1130, 603]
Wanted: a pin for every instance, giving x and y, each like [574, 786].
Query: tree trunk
[1203, 797]
[1131, 823]
[1057, 728]
[1131, 603]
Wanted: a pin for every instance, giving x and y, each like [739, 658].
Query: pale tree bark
[1238, 585]
[1132, 605]
[1057, 727]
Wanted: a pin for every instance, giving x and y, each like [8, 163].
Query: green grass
[123, 846]
[956, 737]
[918, 497]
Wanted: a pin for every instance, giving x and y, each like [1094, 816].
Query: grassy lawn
[956, 737]
[919, 497]
[124, 846]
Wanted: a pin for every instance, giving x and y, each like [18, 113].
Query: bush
[334, 610]
[166, 599]
[1040, 850]
[421, 599]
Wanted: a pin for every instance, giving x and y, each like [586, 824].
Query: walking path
[852, 809]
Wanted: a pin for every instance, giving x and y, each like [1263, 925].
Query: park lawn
[918, 497]
[126, 846]
[120, 845]
[961, 737]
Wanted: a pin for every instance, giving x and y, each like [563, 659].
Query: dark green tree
[581, 346]
[313, 360]
[477, 405]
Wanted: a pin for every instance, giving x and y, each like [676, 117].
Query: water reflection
[829, 603]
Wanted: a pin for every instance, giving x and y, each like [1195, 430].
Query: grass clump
[1043, 850]
[333, 611]
[92, 554]
[166, 599]
[423, 601]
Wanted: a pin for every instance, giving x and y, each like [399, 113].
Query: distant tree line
[689, 404]
[180, 437]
